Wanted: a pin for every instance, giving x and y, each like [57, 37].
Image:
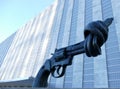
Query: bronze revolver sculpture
[95, 33]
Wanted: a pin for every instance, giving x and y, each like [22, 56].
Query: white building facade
[60, 25]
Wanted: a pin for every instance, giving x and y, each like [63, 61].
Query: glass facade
[60, 25]
[88, 64]
[112, 48]
[4, 47]
[100, 65]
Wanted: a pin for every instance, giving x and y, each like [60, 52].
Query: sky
[15, 13]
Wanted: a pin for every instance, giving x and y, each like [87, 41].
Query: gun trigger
[62, 71]
[52, 54]
[58, 70]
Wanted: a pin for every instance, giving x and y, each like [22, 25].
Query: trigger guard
[59, 74]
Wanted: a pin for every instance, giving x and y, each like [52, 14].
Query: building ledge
[17, 83]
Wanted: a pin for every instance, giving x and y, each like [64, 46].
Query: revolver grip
[42, 76]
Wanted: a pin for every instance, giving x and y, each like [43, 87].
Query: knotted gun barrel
[95, 34]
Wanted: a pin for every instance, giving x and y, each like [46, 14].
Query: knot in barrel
[95, 33]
